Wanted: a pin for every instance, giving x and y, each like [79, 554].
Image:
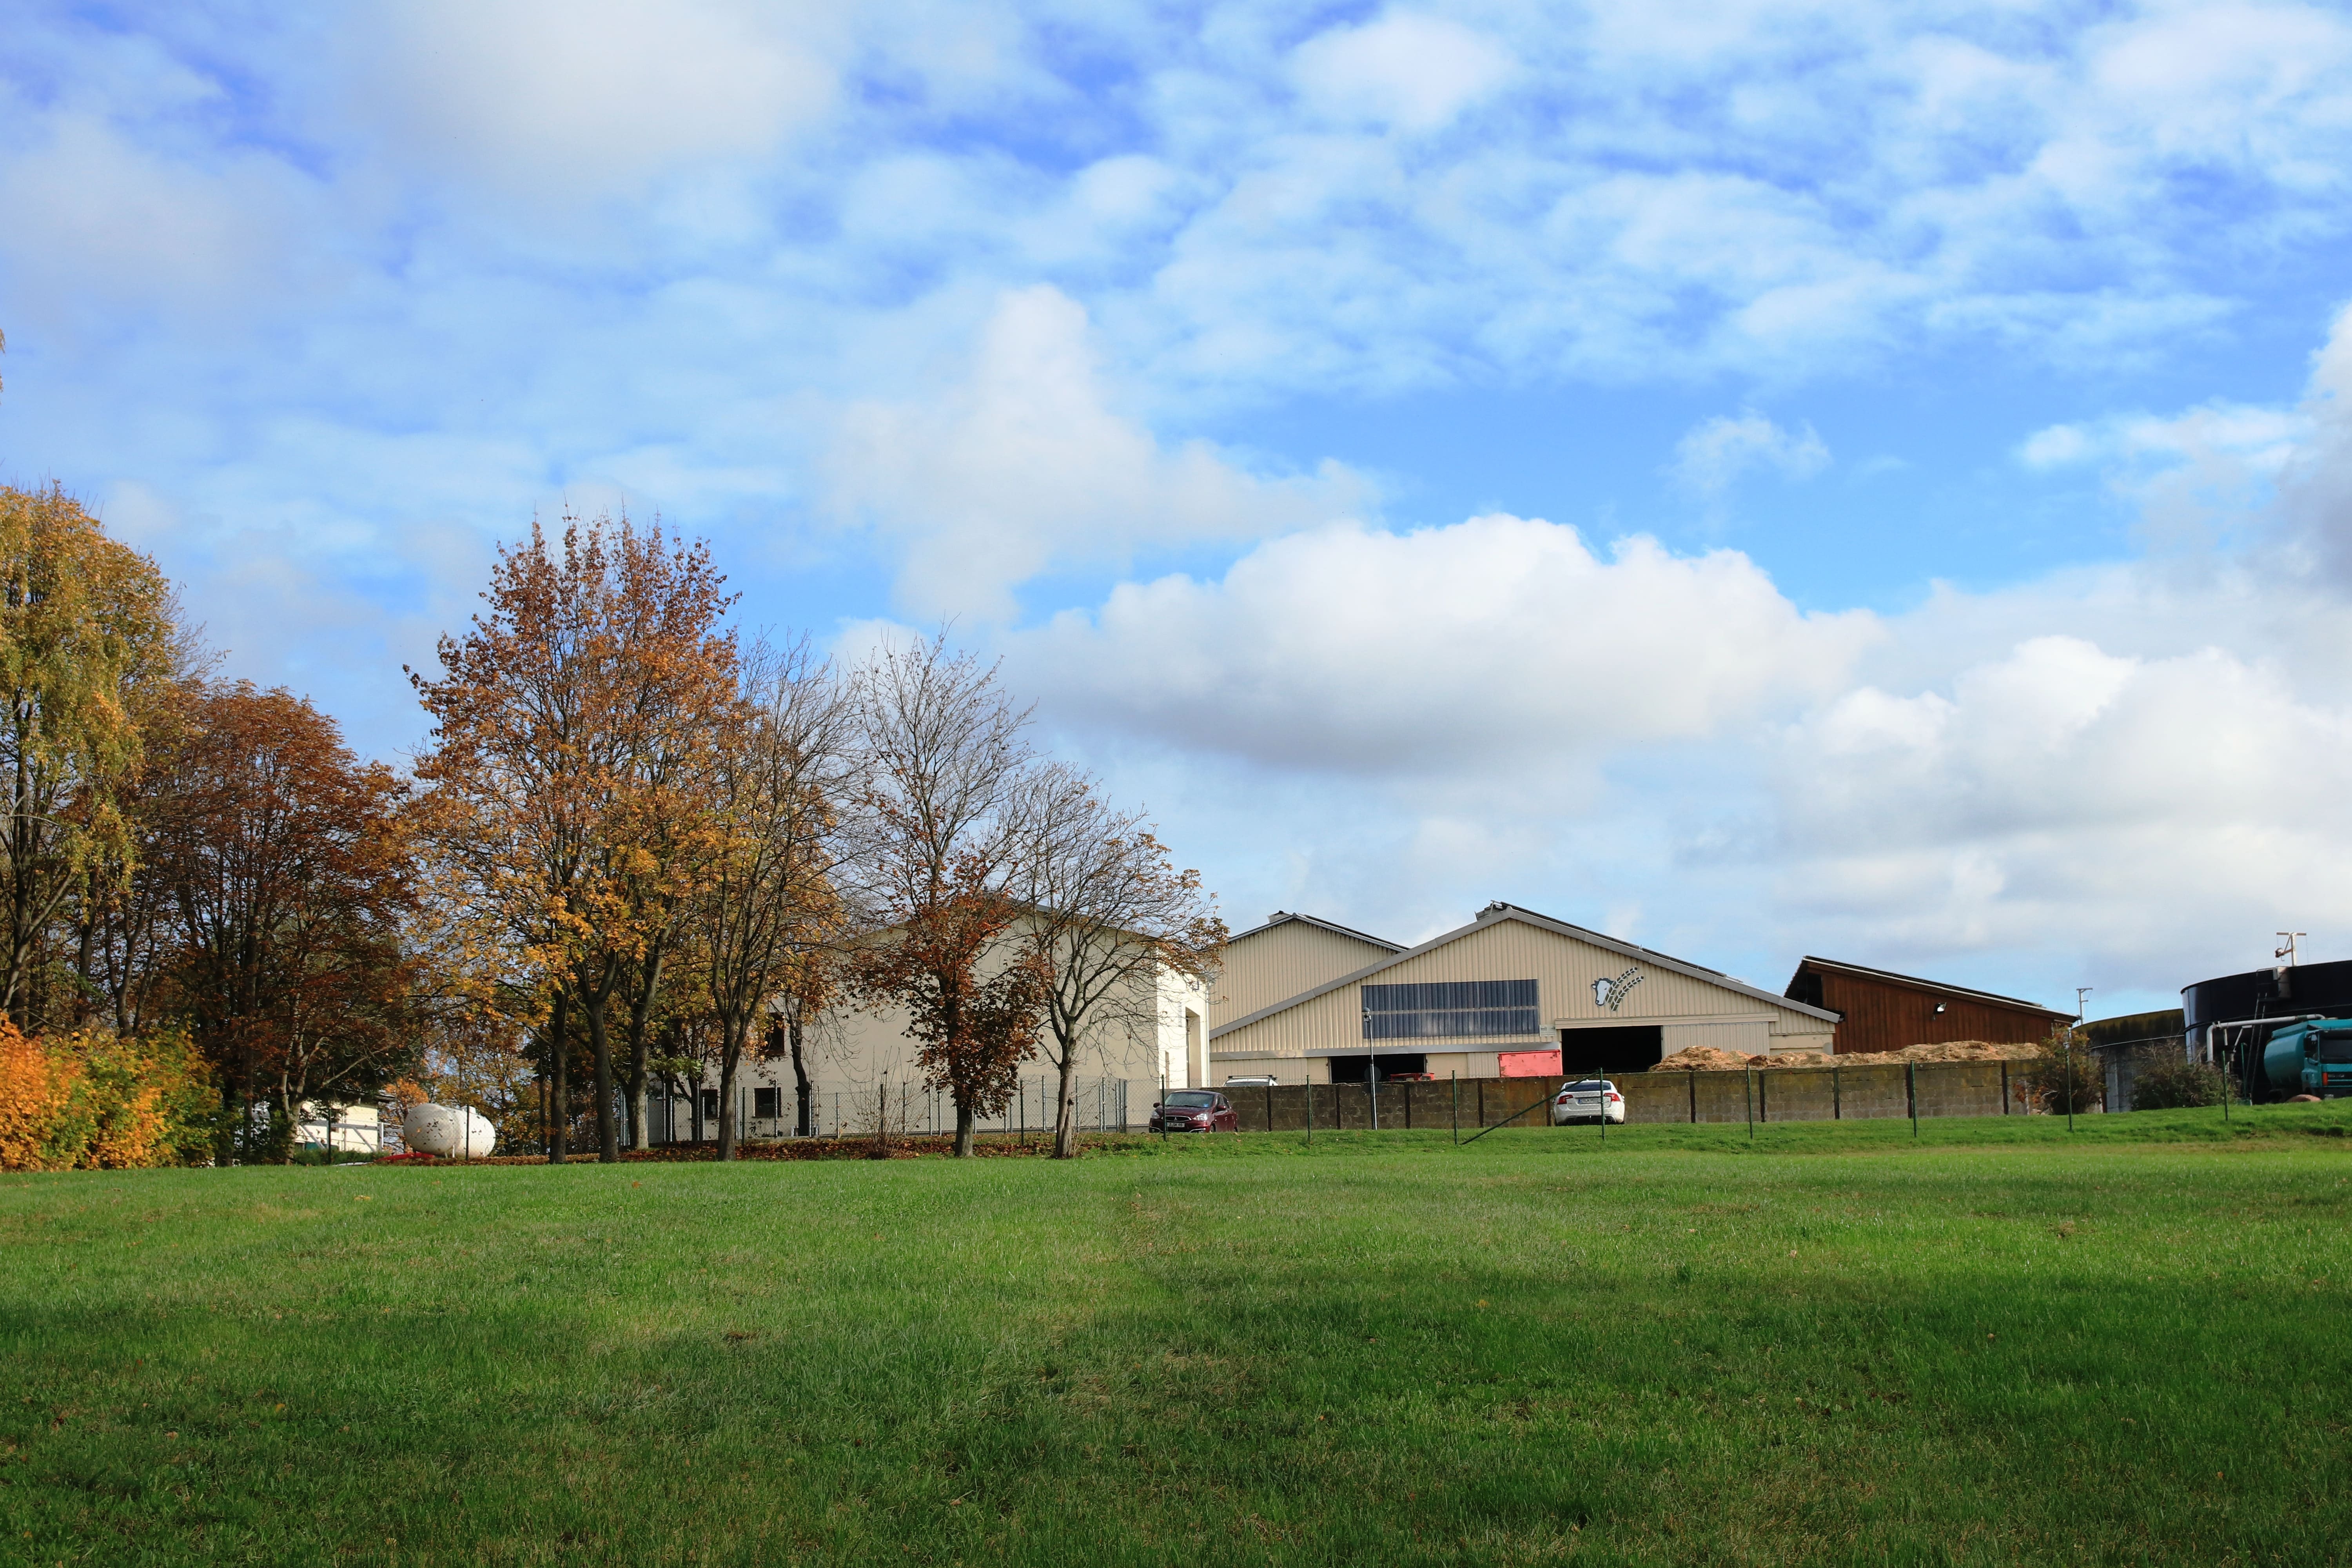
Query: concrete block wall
[1485, 1101]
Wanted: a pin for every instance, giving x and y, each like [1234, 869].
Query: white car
[1588, 1100]
[1251, 1080]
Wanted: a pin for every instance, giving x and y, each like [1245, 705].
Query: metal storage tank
[2229, 1020]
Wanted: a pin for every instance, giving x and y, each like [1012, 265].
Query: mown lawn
[1997, 1345]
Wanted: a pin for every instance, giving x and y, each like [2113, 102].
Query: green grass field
[1996, 1345]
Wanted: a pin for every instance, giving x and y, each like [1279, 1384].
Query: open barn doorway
[1389, 1064]
[1626, 1048]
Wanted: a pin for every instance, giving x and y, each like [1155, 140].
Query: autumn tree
[282, 868]
[945, 769]
[974, 995]
[770, 904]
[85, 639]
[1114, 922]
[572, 729]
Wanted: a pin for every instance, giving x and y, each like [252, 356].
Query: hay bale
[1703, 1059]
[1963, 1051]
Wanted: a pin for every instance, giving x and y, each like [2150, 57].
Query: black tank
[2321, 988]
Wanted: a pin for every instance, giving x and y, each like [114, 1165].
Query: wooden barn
[1880, 1011]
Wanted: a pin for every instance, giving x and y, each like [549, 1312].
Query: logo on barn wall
[1607, 992]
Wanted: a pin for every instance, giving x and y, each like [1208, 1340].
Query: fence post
[2004, 1085]
[1763, 1096]
[1455, 1079]
[1311, 1108]
[2070, 1083]
[1694, 1096]
[1837, 1094]
[1482, 1102]
[1911, 1093]
[1373, 1091]
[1747, 1087]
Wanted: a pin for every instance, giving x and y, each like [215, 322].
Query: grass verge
[1995, 1346]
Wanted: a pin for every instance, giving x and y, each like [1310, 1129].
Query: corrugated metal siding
[1564, 970]
[1278, 963]
[1748, 1036]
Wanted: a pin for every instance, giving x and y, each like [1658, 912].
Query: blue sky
[1758, 478]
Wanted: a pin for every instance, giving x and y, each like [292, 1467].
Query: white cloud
[1713, 455]
[1497, 643]
[1413, 71]
[592, 96]
[1023, 466]
[2126, 807]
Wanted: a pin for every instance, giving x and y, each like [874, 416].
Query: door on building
[1625, 1048]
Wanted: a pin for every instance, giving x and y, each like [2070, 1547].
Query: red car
[1195, 1111]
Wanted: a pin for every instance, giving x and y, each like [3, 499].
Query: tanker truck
[2311, 1057]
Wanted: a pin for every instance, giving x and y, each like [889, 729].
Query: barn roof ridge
[1970, 992]
[1284, 917]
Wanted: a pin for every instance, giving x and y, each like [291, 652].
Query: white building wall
[854, 1057]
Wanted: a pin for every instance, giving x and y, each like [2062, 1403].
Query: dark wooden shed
[1882, 1011]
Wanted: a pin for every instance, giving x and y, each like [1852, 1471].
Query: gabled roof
[1501, 911]
[1938, 987]
[1284, 917]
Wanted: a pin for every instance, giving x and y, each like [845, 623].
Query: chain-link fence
[767, 1112]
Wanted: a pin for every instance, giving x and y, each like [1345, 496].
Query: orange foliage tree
[974, 1001]
[284, 868]
[567, 803]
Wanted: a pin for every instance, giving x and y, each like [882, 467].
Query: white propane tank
[452, 1132]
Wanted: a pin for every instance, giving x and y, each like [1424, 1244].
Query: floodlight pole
[2080, 993]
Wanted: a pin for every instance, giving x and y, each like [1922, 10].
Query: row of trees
[636, 847]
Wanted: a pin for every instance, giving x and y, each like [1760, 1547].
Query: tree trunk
[283, 1118]
[641, 1010]
[1066, 1110]
[731, 1052]
[596, 1005]
[633, 1101]
[558, 1107]
[963, 1130]
[803, 1091]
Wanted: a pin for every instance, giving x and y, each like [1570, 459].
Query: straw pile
[1714, 1059]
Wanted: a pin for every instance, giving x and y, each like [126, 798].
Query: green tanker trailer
[2310, 1058]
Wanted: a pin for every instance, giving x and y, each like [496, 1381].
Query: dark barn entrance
[1627, 1047]
[1351, 1069]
